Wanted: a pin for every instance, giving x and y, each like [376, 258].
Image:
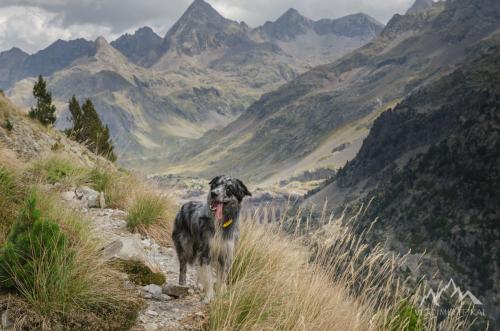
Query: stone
[150, 327]
[88, 197]
[176, 291]
[125, 249]
[151, 313]
[153, 289]
[7, 322]
[102, 201]
[68, 196]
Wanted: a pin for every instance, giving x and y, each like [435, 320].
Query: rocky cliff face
[430, 168]
[420, 6]
[140, 47]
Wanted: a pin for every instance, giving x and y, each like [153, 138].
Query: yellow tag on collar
[227, 223]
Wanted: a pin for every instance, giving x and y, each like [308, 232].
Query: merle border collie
[205, 234]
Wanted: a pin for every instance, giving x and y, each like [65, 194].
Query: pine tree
[76, 132]
[89, 130]
[44, 110]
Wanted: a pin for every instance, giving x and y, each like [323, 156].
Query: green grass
[58, 170]
[112, 184]
[10, 197]
[146, 210]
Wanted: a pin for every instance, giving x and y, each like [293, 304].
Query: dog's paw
[208, 297]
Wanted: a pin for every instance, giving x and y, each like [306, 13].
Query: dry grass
[329, 280]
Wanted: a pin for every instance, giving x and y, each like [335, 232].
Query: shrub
[146, 210]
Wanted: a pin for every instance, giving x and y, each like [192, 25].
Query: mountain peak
[287, 26]
[101, 42]
[419, 6]
[201, 10]
[201, 28]
[16, 51]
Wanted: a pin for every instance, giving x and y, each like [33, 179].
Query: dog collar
[227, 223]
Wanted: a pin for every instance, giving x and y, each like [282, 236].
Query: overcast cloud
[34, 24]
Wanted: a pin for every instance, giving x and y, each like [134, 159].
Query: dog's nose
[213, 195]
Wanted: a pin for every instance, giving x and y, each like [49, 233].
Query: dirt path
[162, 312]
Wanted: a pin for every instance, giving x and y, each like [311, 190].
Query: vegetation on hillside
[327, 280]
[50, 277]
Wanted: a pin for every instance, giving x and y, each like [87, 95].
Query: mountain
[156, 94]
[429, 169]
[287, 26]
[57, 56]
[10, 62]
[140, 47]
[340, 100]
[419, 6]
[317, 42]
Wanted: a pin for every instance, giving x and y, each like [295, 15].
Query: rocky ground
[162, 311]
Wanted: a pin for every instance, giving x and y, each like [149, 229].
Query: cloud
[34, 24]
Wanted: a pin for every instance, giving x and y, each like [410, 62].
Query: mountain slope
[431, 166]
[412, 51]
[10, 62]
[140, 48]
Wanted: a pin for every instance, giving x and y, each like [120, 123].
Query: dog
[205, 233]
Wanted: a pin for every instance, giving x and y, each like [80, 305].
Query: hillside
[431, 166]
[104, 267]
[155, 93]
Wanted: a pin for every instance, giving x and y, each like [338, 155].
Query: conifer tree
[76, 132]
[89, 130]
[44, 110]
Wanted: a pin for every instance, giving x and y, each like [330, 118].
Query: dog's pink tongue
[218, 210]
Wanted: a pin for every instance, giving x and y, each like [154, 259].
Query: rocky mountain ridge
[155, 93]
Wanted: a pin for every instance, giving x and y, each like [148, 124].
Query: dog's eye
[228, 191]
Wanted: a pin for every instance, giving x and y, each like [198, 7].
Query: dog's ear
[214, 180]
[241, 190]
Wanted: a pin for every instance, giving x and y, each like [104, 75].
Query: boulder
[176, 291]
[125, 249]
[153, 289]
[89, 197]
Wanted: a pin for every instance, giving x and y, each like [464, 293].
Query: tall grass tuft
[146, 210]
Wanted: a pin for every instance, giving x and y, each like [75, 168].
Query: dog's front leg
[205, 276]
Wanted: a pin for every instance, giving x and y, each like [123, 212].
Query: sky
[34, 24]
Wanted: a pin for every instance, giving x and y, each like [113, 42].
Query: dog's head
[226, 194]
